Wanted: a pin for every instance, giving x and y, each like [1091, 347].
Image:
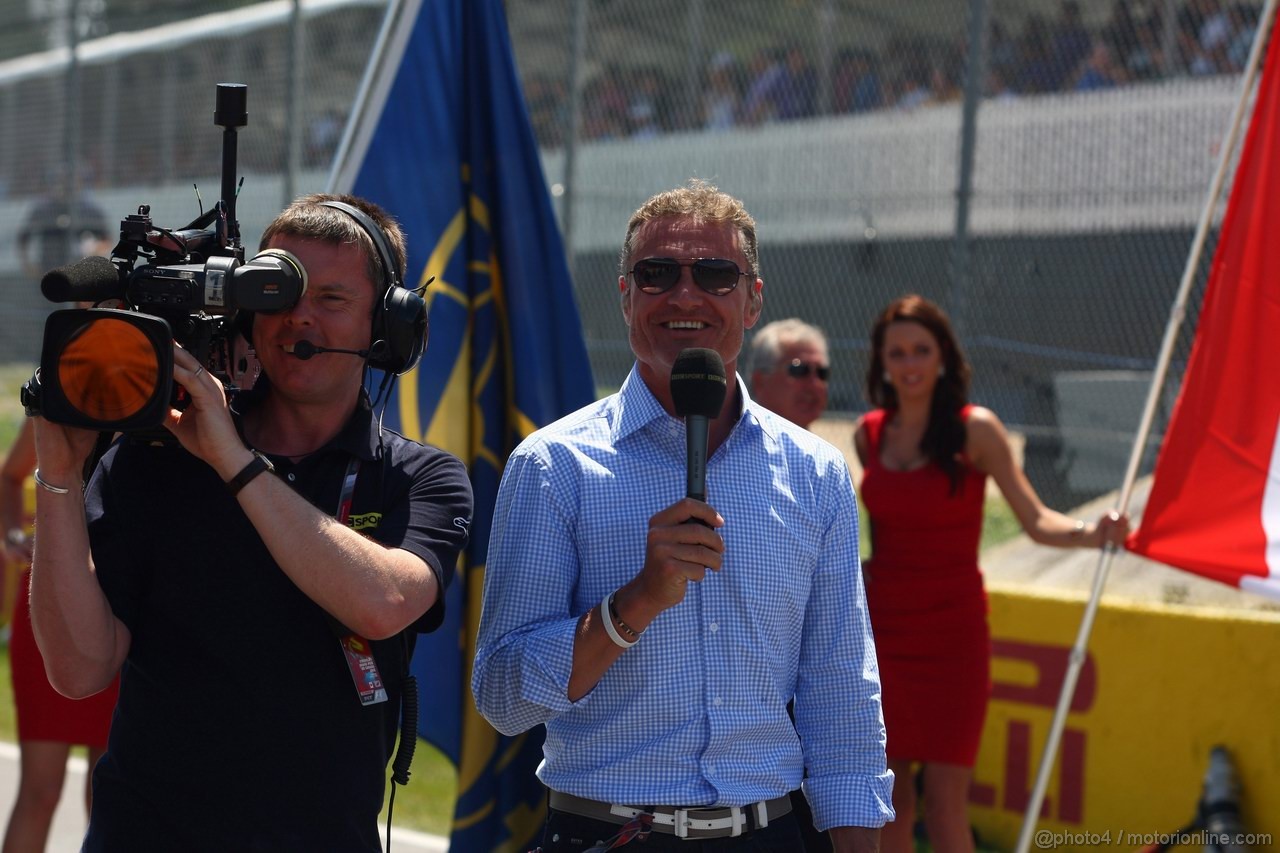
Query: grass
[11, 378]
[426, 803]
[999, 525]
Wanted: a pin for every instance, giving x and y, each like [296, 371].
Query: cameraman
[237, 599]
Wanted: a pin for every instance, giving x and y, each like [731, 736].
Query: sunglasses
[717, 276]
[801, 369]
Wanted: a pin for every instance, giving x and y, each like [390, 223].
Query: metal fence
[1036, 166]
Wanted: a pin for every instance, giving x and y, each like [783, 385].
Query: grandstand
[1077, 217]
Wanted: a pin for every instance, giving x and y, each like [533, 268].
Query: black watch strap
[258, 465]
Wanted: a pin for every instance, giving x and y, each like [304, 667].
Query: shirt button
[718, 701]
[715, 626]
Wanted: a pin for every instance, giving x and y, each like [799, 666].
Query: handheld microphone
[698, 389]
[90, 279]
[305, 350]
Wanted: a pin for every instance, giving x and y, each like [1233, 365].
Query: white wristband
[607, 618]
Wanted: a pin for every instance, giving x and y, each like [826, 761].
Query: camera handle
[230, 113]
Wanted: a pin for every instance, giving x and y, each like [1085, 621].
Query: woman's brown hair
[944, 437]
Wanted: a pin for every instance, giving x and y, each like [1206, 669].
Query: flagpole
[370, 98]
[1176, 316]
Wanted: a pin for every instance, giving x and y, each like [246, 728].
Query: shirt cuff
[850, 800]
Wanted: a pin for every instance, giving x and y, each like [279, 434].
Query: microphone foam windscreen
[90, 279]
[698, 384]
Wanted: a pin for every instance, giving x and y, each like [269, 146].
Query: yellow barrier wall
[1160, 687]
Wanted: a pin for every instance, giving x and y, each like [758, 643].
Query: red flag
[1214, 507]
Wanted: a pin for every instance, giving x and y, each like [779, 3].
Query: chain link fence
[1036, 166]
[116, 111]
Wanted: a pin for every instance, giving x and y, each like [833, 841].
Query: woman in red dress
[926, 453]
[48, 723]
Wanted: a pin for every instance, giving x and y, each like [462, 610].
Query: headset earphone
[399, 331]
[400, 327]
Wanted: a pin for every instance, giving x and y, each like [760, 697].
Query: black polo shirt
[239, 726]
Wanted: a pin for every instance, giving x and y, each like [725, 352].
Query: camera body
[110, 367]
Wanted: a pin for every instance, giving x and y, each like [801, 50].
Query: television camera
[110, 367]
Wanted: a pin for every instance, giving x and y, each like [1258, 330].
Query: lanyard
[356, 649]
[343, 515]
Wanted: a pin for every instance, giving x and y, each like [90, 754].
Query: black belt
[724, 822]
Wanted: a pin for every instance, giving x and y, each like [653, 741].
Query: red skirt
[44, 713]
[935, 669]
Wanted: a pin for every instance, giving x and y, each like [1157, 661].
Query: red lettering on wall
[982, 794]
[1013, 791]
[1017, 770]
[1050, 663]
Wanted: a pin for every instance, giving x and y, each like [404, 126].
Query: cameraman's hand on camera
[204, 428]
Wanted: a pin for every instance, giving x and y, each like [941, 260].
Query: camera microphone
[305, 350]
[90, 279]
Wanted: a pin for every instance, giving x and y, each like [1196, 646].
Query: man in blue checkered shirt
[661, 654]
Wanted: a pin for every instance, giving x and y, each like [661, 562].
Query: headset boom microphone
[305, 349]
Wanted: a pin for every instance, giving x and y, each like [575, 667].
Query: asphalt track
[69, 819]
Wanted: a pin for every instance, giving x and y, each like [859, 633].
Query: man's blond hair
[702, 202]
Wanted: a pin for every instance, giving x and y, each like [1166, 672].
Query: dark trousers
[568, 833]
[814, 841]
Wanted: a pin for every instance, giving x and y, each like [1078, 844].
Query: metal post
[294, 95]
[575, 122]
[111, 122]
[71, 142]
[169, 100]
[695, 61]
[1169, 38]
[975, 71]
[825, 18]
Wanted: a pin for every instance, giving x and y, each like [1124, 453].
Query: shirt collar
[359, 437]
[637, 407]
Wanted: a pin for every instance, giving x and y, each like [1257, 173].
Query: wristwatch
[258, 465]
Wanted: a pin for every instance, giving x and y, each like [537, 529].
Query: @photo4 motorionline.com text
[1046, 839]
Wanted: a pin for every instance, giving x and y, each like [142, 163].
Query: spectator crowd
[1140, 41]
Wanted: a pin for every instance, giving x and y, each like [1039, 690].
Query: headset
[400, 327]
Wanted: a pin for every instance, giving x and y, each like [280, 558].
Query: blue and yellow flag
[441, 138]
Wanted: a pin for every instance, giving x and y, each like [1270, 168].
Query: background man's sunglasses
[800, 369]
[717, 276]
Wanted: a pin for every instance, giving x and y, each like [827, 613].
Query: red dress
[928, 607]
[43, 713]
